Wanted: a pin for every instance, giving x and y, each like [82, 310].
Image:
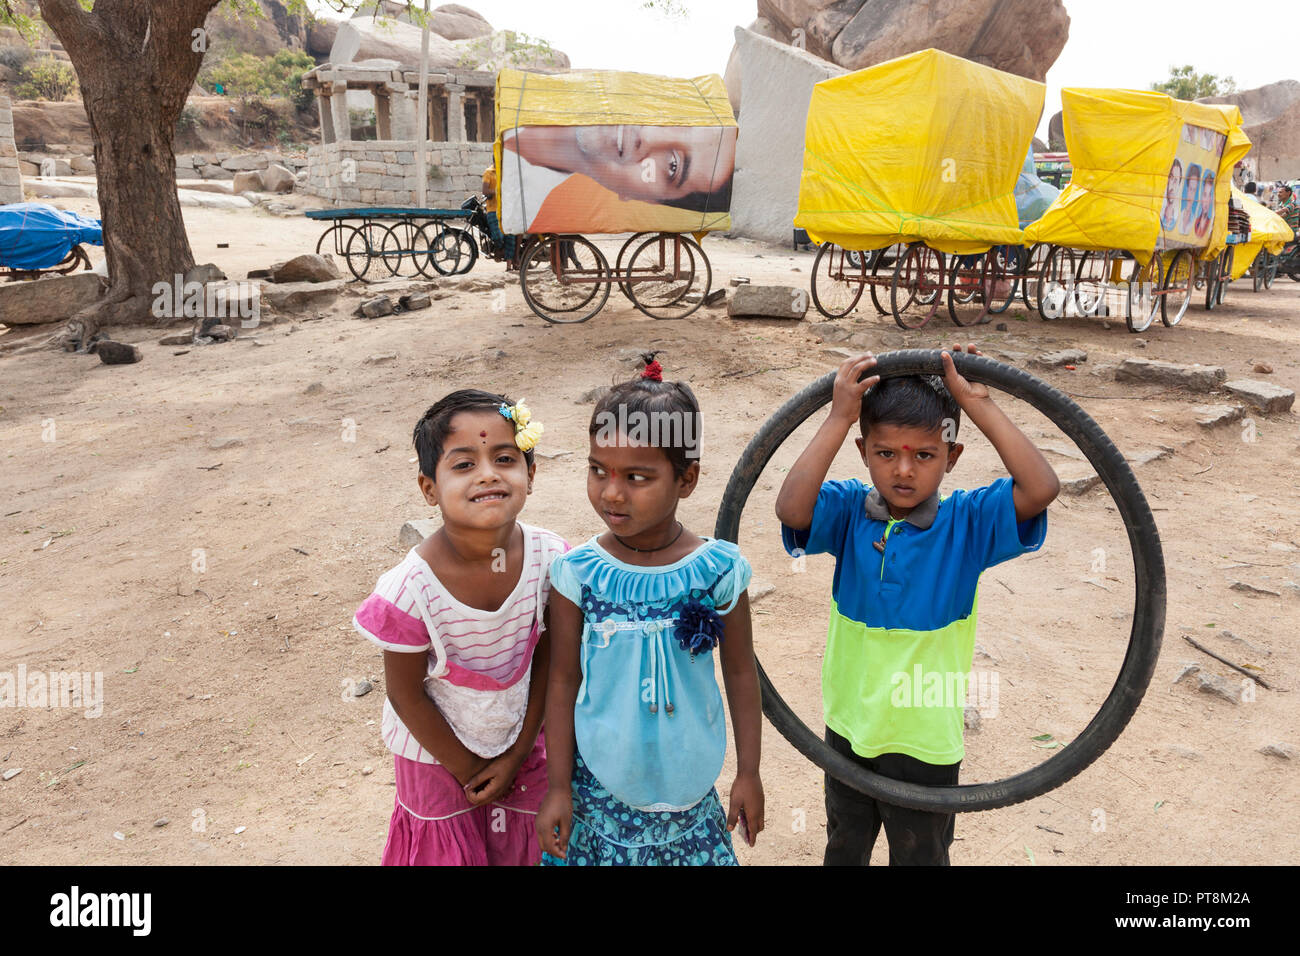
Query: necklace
[680, 528]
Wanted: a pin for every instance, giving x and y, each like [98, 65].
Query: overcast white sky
[1124, 43]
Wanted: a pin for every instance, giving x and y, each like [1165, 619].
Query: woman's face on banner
[652, 163]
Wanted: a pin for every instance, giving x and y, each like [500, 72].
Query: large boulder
[362, 38]
[309, 267]
[778, 81]
[320, 37]
[455, 22]
[1271, 115]
[1019, 36]
[1056, 132]
[52, 299]
[731, 77]
[278, 179]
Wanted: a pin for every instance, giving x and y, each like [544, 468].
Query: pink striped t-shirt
[479, 661]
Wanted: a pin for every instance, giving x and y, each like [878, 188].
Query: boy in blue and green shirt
[907, 566]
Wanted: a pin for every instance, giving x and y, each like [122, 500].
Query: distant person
[1287, 208]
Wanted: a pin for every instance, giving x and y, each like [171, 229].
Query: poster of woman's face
[1169, 212]
[1191, 193]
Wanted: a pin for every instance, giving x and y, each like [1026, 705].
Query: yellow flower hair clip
[527, 431]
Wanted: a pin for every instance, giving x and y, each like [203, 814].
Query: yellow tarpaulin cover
[614, 99]
[1268, 231]
[1122, 144]
[926, 147]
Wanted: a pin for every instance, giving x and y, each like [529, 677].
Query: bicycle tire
[854, 296]
[1149, 582]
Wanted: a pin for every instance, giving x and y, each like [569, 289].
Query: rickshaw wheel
[968, 302]
[618, 261]
[337, 236]
[1225, 274]
[1002, 264]
[676, 295]
[877, 281]
[1270, 270]
[1142, 302]
[364, 248]
[918, 280]
[555, 296]
[836, 293]
[1150, 589]
[1056, 284]
[1032, 276]
[1258, 268]
[1177, 288]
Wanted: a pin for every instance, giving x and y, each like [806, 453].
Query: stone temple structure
[382, 172]
[11, 182]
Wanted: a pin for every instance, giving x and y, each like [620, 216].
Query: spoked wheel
[1257, 270]
[444, 249]
[620, 262]
[1144, 283]
[1176, 293]
[837, 280]
[917, 289]
[668, 276]
[1270, 270]
[883, 261]
[1091, 276]
[335, 239]
[1032, 276]
[967, 302]
[1002, 277]
[467, 249]
[1056, 283]
[365, 251]
[405, 247]
[1149, 584]
[564, 279]
[1225, 274]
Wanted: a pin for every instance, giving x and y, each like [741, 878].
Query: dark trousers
[853, 819]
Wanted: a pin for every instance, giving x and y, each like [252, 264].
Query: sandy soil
[226, 701]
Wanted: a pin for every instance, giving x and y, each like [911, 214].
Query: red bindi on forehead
[482, 434]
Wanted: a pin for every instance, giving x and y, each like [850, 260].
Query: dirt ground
[212, 583]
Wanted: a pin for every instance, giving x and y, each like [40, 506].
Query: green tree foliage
[244, 74]
[1185, 83]
[46, 79]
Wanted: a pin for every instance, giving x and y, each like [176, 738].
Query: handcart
[1264, 251]
[37, 240]
[1144, 219]
[911, 193]
[377, 242]
[594, 153]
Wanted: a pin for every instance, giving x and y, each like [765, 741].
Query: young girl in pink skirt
[462, 622]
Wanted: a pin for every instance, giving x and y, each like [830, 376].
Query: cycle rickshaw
[1145, 216]
[37, 240]
[593, 153]
[911, 192]
[1262, 255]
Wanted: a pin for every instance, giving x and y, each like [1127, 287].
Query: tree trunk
[136, 61]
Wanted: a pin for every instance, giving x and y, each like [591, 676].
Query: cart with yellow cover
[1148, 199]
[607, 153]
[894, 163]
[1269, 235]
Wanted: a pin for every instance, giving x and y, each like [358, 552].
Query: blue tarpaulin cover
[1033, 196]
[34, 235]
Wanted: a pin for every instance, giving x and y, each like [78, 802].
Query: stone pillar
[339, 109]
[326, 114]
[11, 180]
[384, 111]
[405, 113]
[455, 112]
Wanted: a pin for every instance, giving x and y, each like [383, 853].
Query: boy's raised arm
[798, 494]
[1034, 482]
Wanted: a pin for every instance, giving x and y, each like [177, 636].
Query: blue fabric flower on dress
[699, 628]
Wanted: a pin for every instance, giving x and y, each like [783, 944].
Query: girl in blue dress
[635, 731]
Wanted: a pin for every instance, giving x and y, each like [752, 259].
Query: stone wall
[11, 182]
[383, 173]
